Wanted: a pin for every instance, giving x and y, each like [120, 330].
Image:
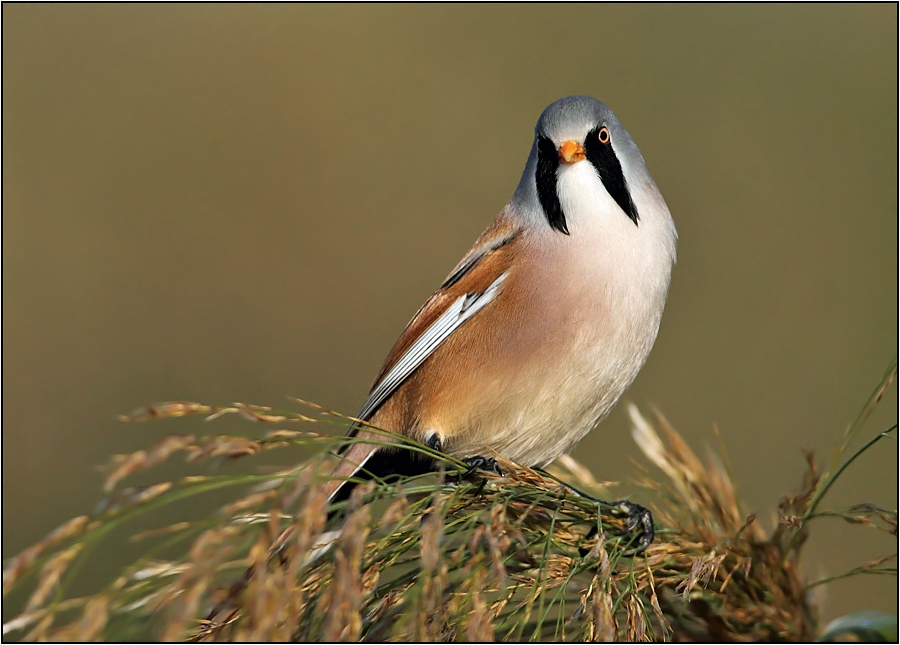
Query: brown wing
[477, 275]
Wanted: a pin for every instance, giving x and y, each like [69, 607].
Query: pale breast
[550, 360]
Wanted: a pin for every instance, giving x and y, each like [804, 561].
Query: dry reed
[443, 557]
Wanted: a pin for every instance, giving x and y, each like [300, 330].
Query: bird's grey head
[576, 129]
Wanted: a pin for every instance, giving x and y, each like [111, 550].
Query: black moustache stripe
[604, 160]
[545, 176]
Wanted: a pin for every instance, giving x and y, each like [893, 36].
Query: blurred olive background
[223, 203]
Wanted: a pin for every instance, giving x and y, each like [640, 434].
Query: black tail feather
[388, 464]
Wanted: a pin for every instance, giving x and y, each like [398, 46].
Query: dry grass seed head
[182, 614]
[183, 598]
[308, 524]
[252, 500]
[602, 623]
[224, 446]
[494, 561]
[41, 630]
[427, 615]
[256, 413]
[51, 572]
[343, 621]
[582, 476]
[664, 626]
[498, 541]
[165, 530]
[396, 511]
[635, 626]
[267, 597]
[90, 626]
[23, 562]
[478, 624]
[169, 409]
[430, 544]
[303, 485]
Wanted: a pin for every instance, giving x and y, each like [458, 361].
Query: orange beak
[570, 152]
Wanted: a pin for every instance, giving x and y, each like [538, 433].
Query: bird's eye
[603, 135]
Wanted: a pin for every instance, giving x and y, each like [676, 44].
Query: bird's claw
[481, 463]
[639, 518]
[640, 521]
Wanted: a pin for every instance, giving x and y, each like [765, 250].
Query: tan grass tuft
[512, 557]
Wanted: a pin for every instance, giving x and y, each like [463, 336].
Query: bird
[535, 334]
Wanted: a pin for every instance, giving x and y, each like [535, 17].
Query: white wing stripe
[407, 363]
[457, 313]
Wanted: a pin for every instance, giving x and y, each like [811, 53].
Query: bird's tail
[360, 462]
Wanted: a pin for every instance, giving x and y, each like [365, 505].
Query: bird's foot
[433, 441]
[640, 522]
[481, 463]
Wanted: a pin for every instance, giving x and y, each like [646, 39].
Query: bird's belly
[543, 414]
[549, 362]
[533, 401]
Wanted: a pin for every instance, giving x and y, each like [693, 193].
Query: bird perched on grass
[540, 328]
